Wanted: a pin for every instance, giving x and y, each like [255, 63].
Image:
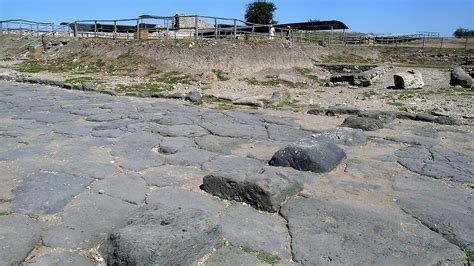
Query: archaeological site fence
[208, 27]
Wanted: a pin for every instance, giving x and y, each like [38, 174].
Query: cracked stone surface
[333, 232]
[75, 165]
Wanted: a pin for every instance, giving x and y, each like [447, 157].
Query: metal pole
[75, 29]
[423, 41]
[138, 29]
[465, 44]
[95, 29]
[196, 27]
[115, 29]
[332, 34]
[441, 44]
[253, 30]
[215, 25]
[235, 29]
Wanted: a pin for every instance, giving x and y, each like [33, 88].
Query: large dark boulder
[309, 155]
[248, 180]
[460, 77]
[158, 235]
[364, 123]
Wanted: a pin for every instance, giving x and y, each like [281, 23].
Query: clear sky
[377, 16]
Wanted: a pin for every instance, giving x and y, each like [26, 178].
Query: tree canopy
[462, 32]
[260, 12]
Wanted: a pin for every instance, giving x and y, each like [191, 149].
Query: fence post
[235, 29]
[138, 29]
[423, 42]
[215, 25]
[465, 44]
[196, 27]
[75, 29]
[441, 44]
[95, 29]
[253, 30]
[115, 29]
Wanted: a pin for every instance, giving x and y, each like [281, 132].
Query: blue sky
[378, 16]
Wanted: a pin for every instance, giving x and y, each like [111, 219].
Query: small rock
[364, 123]
[309, 155]
[280, 97]
[209, 76]
[459, 77]
[408, 80]
[194, 96]
[101, 191]
[341, 109]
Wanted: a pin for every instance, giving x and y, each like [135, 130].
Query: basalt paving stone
[159, 235]
[174, 118]
[344, 136]
[174, 145]
[21, 152]
[46, 193]
[102, 117]
[226, 128]
[444, 207]
[414, 140]
[180, 131]
[191, 157]
[84, 167]
[113, 133]
[437, 162]
[286, 133]
[223, 145]
[87, 220]
[60, 258]
[73, 130]
[247, 180]
[127, 187]
[244, 226]
[18, 236]
[326, 232]
[182, 198]
[173, 175]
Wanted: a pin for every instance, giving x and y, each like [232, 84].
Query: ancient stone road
[76, 165]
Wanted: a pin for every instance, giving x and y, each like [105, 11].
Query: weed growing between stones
[173, 77]
[221, 75]
[77, 80]
[23, 142]
[5, 213]
[369, 93]
[263, 256]
[469, 254]
[306, 72]
[272, 82]
[153, 87]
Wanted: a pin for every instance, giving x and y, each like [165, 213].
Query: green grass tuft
[221, 75]
[153, 87]
[469, 254]
[263, 256]
[369, 93]
[5, 213]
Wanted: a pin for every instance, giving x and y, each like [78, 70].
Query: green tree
[260, 12]
[462, 32]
